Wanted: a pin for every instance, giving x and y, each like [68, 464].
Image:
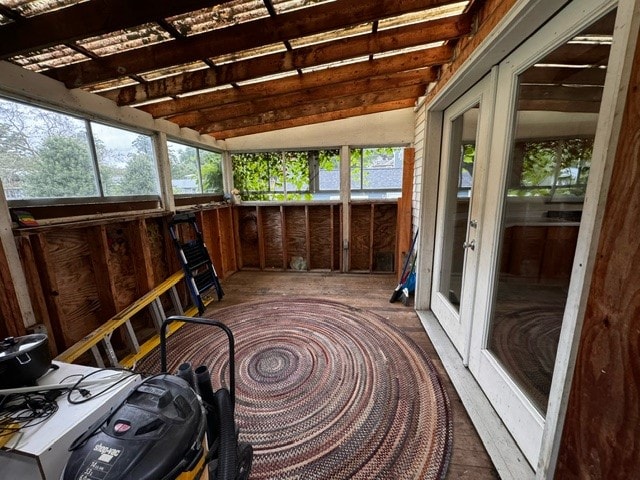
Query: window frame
[198, 148]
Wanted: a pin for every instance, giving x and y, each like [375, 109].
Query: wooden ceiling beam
[569, 106]
[88, 19]
[315, 119]
[557, 92]
[579, 54]
[351, 72]
[304, 57]
[323, 93]
[264, 31]
[324, 106]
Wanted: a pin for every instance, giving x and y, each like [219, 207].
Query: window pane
[43, 154]
[328, 174]
[184, 168]
[258, 175]
[126, 161]
[376, 172]
[211, 168]
[297, 173]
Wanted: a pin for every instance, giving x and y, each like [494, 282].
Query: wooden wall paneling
[248, 238]
[271, 228]
[121, 265]
[227, 241]
[34, 284]
[307, 237]
[371, 233]
[50, 289]
[404, 205]
[141, 255]
[208, 224]
[78, 299]
[97, 245]
[156, 242]
[295, 226]
[384, 235]
[261, 240]
[321, 237]
[360, 238]
[285, 236]
[12, 323]
[337, 256]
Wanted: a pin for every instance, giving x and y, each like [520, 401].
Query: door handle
[471, 245]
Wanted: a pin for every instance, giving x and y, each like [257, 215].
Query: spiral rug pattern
[325, 391]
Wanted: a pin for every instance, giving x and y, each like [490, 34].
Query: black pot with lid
[23, 360]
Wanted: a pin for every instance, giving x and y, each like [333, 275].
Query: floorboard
[469, 458]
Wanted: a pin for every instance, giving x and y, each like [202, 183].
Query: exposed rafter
[393, 39]
[264, 31]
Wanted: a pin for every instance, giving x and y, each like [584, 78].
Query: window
[557, 168]
[287, 175]
[376, 172]
[194, 170]
[46, 154]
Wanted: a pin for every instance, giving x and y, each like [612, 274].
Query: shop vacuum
[169, 427]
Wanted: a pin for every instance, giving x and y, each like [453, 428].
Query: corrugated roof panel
[122, 40]
[275, 76]
[220, 16]
[30, 8]
[52, 57]
[363, 28]
[175, 70]
[282, 6]
[407, 50]
[246, 54]
[423, 16]
[341, 63]
[111, 85]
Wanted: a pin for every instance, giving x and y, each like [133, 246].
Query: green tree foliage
[211, 171]
[62, 168]
[139, 176]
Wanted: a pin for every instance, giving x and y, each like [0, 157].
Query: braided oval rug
[324, 391]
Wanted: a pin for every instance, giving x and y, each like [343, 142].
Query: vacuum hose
[203, 381]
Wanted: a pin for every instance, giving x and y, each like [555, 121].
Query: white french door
[543, 131]
[466, 132]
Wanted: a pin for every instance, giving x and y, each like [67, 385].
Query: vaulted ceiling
[232, 68]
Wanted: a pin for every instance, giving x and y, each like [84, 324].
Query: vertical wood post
[345, 196]
[164, 171]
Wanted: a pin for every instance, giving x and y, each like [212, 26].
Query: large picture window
[50, 155]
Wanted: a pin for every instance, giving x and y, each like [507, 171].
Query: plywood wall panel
[227, 243]
[248, 237]
[271, 218]
[122, 271]
[320, 237]
[77, 294]
[155, 239]
[360, 244]
[295, 219]
[384, 237]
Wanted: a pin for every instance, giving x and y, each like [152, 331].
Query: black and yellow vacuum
[170, 427]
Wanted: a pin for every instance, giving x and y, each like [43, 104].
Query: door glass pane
[459, 182]
[557, 112]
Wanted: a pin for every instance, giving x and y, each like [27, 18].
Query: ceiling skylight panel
[341, 63]
[174, 70]
[111, 85]
[266, 78]
[219, 16]
[407, 50]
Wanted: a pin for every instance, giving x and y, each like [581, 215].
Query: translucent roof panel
[423, 16]
[220, 16]
[112, 84]
[246, 54]
[122, 40]
[282, 6]
[167, 72]
[46, 58]
[29, 8]
[361, 29]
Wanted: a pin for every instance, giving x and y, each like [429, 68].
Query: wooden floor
[469, 459]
